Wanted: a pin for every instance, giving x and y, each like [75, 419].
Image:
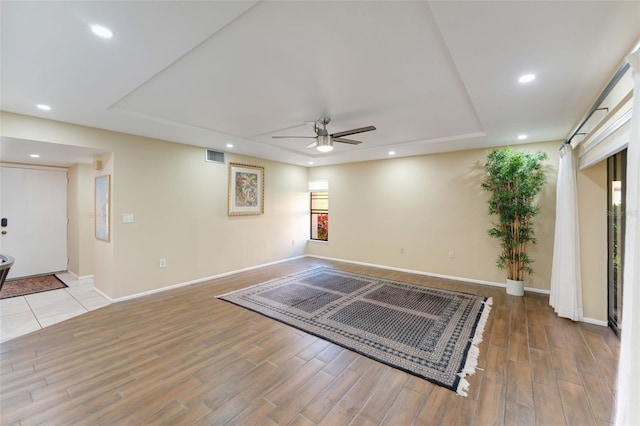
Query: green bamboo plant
[514, 178]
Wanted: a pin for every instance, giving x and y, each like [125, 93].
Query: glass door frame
[616, 171]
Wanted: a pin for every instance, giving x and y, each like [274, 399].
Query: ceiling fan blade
[293, 137]
[353, 131]
[343, 140]
[312, 144]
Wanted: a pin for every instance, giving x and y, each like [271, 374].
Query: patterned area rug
[30, 285]
[433, 334]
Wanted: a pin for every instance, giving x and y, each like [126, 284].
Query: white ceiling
[432, 76]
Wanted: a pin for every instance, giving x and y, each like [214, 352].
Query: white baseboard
[103, 294]
[83, 277]
[393, 268]
[196, 281]
[450, 277]
[429, 274]
[595, 322]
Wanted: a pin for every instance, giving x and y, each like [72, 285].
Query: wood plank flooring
[185, 357]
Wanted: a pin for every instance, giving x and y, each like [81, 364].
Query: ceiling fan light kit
[324, 141]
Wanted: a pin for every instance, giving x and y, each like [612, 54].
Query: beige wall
[80, 212]
[179, 202]
[180, 207]
[404, 212]
[592, 206]
[103, 251]
[411, 212]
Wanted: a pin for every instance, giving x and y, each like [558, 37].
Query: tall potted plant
[514, 179]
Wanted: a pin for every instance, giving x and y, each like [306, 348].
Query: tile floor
[24, 314]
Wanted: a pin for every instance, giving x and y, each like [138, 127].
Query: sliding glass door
[616, 184]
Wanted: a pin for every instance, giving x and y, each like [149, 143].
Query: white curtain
[566, 285]
[628, 392]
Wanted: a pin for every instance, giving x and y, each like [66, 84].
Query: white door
[33, 206]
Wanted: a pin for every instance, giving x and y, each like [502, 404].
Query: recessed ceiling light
[43, 107]
[522, 137]
[310, 163]
[229, 145]
[527, 78]
[101, 31]
[34, 155]
[392, 153]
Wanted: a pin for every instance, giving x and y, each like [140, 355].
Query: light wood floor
[185, 357]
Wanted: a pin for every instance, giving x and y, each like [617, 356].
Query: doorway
[33, 206]
[616, 195]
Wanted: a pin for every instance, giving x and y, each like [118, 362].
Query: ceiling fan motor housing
[324, 141]
[322, 131]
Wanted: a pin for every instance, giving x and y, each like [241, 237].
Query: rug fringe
[474, 351]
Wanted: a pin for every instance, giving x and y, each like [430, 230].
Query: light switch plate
[127, 218]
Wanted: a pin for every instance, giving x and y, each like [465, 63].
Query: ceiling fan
[324, 141]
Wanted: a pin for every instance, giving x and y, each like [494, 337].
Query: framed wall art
[246, 189]
[102, 206]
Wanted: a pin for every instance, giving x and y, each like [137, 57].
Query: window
[320, 216]
[319, 196]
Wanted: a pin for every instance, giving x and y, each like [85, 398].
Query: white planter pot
[515, 288]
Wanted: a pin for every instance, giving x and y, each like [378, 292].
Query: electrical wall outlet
[163, 263]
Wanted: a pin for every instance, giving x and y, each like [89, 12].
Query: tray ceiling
[431, 76]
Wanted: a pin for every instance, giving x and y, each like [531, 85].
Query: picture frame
[102, 207]
[246, 189]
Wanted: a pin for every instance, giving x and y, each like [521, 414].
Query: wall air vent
[215, 156]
